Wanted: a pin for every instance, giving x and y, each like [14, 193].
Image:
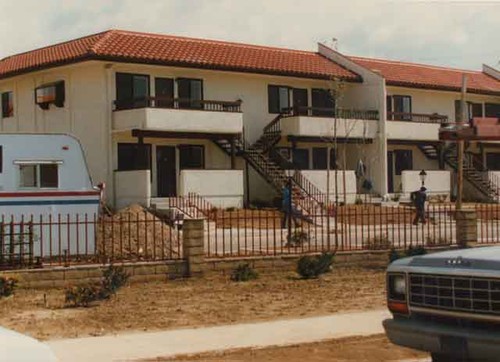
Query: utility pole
[461, 145]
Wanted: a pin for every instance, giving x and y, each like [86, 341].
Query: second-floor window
[190, 92]
[399, 108]
[132, 90]
[7, 104]
[323, 103]
[278, 98]
[492, 110]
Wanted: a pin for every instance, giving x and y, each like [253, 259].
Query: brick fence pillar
[466, 227]
[193, 246]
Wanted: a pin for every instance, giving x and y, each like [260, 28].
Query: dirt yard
[214, 300]
[367, 349]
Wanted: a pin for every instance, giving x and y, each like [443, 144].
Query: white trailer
[45, 187]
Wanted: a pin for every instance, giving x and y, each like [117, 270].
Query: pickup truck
[447, 304]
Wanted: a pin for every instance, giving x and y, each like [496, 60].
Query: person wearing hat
[419, 198]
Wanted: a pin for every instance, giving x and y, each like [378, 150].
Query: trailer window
[28, 175]
[39, 176]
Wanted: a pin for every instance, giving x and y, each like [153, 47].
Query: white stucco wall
[319, 178]
[397, 130]
[132, 187]
[177, 120]
[437, 182]
[325, 127]
[222, 188]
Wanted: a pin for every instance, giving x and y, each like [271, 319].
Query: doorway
[390, 172]
[166, 171]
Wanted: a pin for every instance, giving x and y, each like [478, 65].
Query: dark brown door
[166, 172]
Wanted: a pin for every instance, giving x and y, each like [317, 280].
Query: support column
[233, 153]
[466, 227]
[193, 246]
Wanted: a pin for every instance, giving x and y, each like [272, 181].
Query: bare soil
[366, 349]
[213, 300]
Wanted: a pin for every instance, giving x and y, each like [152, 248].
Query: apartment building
[160, 116]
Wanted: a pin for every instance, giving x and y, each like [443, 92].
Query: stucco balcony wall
[325, 127]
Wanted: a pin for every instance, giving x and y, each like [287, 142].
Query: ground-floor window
[493, 161]
[403, 160]
[300, 157]
[320, 158]
[191, 157]
[134, 156]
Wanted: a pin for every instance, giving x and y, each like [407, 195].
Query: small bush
[411, 251]
[113, 278]
[7, 286]
[436, 241]
[230, 209]
[358, 201]
[394, 255]
[313, 266]
[82, 295]
[379, 242]
[244, 273]
[298, 238]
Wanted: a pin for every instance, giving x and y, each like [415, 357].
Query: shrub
[113, 278]
[313, 266]
[378, 242]
[244, 273]
[82, 295]
[230, 208]
[298, 237]
[358, 201]
[411, 251]
[7, 286]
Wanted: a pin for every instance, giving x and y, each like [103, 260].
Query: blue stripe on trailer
[49, 202]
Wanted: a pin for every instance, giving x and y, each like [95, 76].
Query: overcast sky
[459, 33]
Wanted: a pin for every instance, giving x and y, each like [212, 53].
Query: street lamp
[423, 176]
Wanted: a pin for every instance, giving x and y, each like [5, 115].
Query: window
[323, 104]
[492, 110]
[278, 98]
[300, 101]
[7, 104]
[1, 159]
[300, 157]
[190, 92]
[493, 161]
[47, 94]
[132, 90]
[39, 175]
[472, 110]
[320, 160]
[164, 92]
[400, 106]
[191, 157]
[134, 156]
[403, 161]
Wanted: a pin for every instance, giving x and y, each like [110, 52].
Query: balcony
[320, 122]
[414, 126]
[178, 115]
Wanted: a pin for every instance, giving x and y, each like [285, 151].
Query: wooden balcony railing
[178, 103]
[417, 117]
[343, 113]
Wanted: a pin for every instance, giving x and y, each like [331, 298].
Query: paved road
[135, 346]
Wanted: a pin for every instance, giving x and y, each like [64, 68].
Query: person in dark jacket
[419, 198]
[286, 206]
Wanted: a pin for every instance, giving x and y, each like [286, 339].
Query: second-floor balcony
[414, 126]
[327, 122]
[178, 115]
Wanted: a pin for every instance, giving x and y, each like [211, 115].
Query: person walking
[286, 205]
[419, 198]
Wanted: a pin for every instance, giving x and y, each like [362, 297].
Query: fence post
[193, 246]
[466, 227]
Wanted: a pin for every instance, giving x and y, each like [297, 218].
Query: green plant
[82, 295]
[378, 242]
[411, 251]
[358, 201]
[231, 208]
[313, 266]
[394, 255]
[298, 237]
[431, 241]
[113, 278]
[244, 273]
[7, 286]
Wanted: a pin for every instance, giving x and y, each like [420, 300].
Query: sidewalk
[135, 346]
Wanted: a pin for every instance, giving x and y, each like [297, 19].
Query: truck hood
[482, 258]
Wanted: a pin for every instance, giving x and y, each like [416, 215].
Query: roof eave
[441, 87]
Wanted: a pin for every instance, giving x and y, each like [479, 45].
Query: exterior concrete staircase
[474, 171]
[273, 168]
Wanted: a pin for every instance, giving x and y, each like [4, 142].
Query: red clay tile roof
[179, 51]
[427, 76]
